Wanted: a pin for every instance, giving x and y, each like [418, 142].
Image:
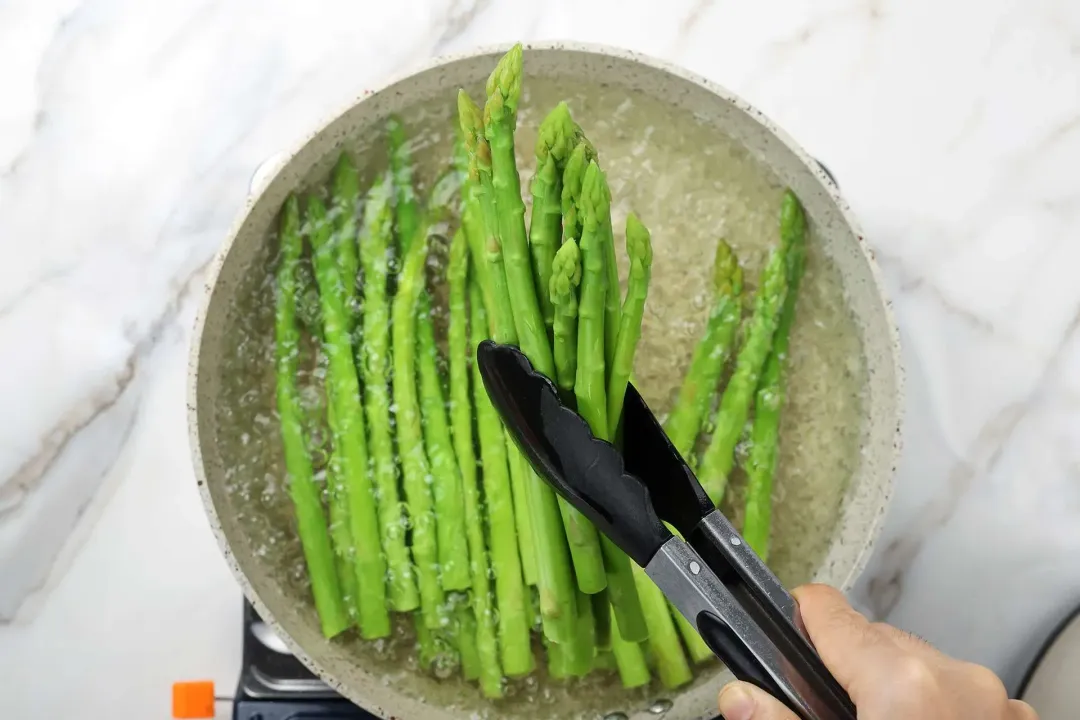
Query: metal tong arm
[680, 500]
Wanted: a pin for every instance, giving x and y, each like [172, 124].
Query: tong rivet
[735, 540]
[694, 567]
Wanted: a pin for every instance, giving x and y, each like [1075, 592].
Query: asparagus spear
[557, 136]
[480, 202]
[460, 351]
[565, 278]
[664, 642]
[581, 651]
[761, 463]
[508, 268]
[374, 362]
[500, 119]
[584, 540]
[639, 248]
[601, 611]
[517, 658]
[719, 457]
[519, 479]
[710, 355]
[573, 175]
[612, 307]
[590, 387]
[345, 197]
[629, 659]
[446, 476]
[406, 207]
[410, 439]
[445, 472]
[347, 425]
[311, 523]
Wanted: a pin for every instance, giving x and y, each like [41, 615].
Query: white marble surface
[129, 131]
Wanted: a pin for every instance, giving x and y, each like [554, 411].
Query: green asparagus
[629, 659]
[710, 355]
[517, 658]
[374, 362]
[563, 287]
[573, 175]
[719, 457]
[664, 642]
[500, 119]
[519, 479]
[764, 435]
[612, 306]
[480, 204]
[590, 387]
[582, 536]
[460, 352]
[410, 438]
[347, 425]
[639, 249]
[601, 611]
[515, 301]
[311, 523]
[344, 200]
[446, 476]
[557, 136]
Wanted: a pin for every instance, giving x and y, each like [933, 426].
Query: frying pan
[231, 408]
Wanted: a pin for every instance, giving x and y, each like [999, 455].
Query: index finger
[846, 641]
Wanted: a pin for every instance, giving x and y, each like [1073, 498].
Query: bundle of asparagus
[471, 542]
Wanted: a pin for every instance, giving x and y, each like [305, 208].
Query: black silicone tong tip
[585, 470]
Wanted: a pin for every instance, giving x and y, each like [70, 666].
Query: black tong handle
[588, 472]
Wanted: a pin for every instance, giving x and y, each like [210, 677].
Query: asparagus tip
[638, 241]
[727, 275]
[505, 80]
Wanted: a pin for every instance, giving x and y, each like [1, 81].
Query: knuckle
[987, 683]
[916, 677]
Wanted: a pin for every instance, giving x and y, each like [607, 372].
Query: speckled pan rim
[874, 526]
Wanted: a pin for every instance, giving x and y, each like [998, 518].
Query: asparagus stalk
[639, 248]
[347, 425]
[446, 476]
[311, 523]
[374, 362]
[557, 136]
[445, 472]
[761, 462]
[516, 312]
[466, 638]
[710, 355]
[480, 203]
[460, 351]
[581, 651]
[519, 479]
[563, 289]
[410, 439]
[500, 119]
[573, 175]
[664, 642]
[601, 611]
[517, 658]
[719, 457]
[344, 200]
[629, 659]
[612, 307]
[590, 387]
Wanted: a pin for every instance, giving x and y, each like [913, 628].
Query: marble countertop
[129, 132]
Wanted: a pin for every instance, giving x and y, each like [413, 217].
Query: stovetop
[274, 685]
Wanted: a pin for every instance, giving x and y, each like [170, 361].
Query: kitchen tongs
[709, 573]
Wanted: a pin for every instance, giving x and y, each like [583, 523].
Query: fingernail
[736, 703]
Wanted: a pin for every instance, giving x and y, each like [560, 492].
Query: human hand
[889, 674]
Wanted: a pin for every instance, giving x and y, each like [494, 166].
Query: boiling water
[691, 186]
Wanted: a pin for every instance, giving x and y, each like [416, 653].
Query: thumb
[743, 701]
